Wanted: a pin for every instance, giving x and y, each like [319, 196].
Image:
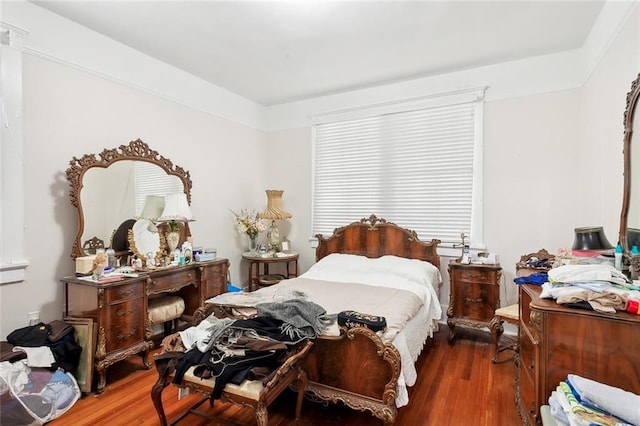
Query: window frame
[12, 258]
[472, 95]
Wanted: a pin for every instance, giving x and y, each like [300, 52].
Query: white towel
[40, 356]
[588, 273]
[622, 404]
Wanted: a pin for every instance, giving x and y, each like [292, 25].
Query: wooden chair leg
[156, 397]
[302, 387]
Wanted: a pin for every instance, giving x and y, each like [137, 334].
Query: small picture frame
[188, 256]
[285, 246]
[85, 337]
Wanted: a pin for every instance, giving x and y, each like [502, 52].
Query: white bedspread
[401, 290]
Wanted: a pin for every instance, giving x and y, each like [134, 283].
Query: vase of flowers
[247, 223]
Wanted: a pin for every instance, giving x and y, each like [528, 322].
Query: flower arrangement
[247, 222]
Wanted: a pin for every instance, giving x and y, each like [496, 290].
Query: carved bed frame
[358, 368]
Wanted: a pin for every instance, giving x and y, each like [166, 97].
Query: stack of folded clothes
[583, 402]
[597, 287]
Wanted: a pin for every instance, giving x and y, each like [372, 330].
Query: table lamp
[274, 211]
[176, 211]
[590, 239]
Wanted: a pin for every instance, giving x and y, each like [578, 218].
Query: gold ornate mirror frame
[136, 150]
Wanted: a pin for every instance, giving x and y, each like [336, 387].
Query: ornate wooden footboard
[356, 368]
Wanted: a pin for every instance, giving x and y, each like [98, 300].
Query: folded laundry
[581, 401]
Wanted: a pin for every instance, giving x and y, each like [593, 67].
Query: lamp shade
[153, 207]
[274, 210]
[176, 208]
[591, 238]
[633, 237]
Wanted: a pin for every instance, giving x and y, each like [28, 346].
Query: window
[415, 163]
[12, 259]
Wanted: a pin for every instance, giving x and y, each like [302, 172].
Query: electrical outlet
[33, 317]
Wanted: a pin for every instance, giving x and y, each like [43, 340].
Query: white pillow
[338, 267]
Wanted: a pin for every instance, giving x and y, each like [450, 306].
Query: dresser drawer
[126, 321]
[124, 292]
[528, 408]
[172, 282]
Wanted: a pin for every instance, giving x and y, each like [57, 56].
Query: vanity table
[130, 176]
[119, 308]
[255, 262]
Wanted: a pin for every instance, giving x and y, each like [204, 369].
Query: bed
[364, 370]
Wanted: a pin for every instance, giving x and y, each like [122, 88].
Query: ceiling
[274, 52]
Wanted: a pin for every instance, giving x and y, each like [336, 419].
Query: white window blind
[416, 164]
[153, 180]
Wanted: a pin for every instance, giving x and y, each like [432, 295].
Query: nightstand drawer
[474, 300]
[477, 276]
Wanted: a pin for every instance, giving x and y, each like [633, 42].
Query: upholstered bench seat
[250, 389]
[165, 310]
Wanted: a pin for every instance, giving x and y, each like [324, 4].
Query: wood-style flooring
[457, 385]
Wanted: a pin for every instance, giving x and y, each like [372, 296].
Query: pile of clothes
[583, 402]
[234, 350]
[599, 287]
[36, 385]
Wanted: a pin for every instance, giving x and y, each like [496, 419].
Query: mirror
[630, 215]
[109, 190]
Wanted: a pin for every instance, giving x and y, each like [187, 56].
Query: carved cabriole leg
[497, 329]
[451, 323]
[262, 417]
[102, 378]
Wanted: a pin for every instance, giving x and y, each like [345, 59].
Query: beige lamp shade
[176, 208]
[274, 210]
[153, 207]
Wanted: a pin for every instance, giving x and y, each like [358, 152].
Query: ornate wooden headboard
[375, 237]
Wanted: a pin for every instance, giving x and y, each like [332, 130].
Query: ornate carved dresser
[119, 308]
[555, 341]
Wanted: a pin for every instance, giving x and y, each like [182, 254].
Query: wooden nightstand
[474, 295]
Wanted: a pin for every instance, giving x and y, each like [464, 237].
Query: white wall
[553, 151]
[552, 159]
[69, 113]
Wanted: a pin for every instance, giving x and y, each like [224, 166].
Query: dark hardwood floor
[457, 385]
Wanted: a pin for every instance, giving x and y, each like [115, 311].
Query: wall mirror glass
[630, 216]
[109, 191]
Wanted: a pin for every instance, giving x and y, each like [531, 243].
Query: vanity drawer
[117, 293]
[214, 279]
[172, 282]
[126, 321]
